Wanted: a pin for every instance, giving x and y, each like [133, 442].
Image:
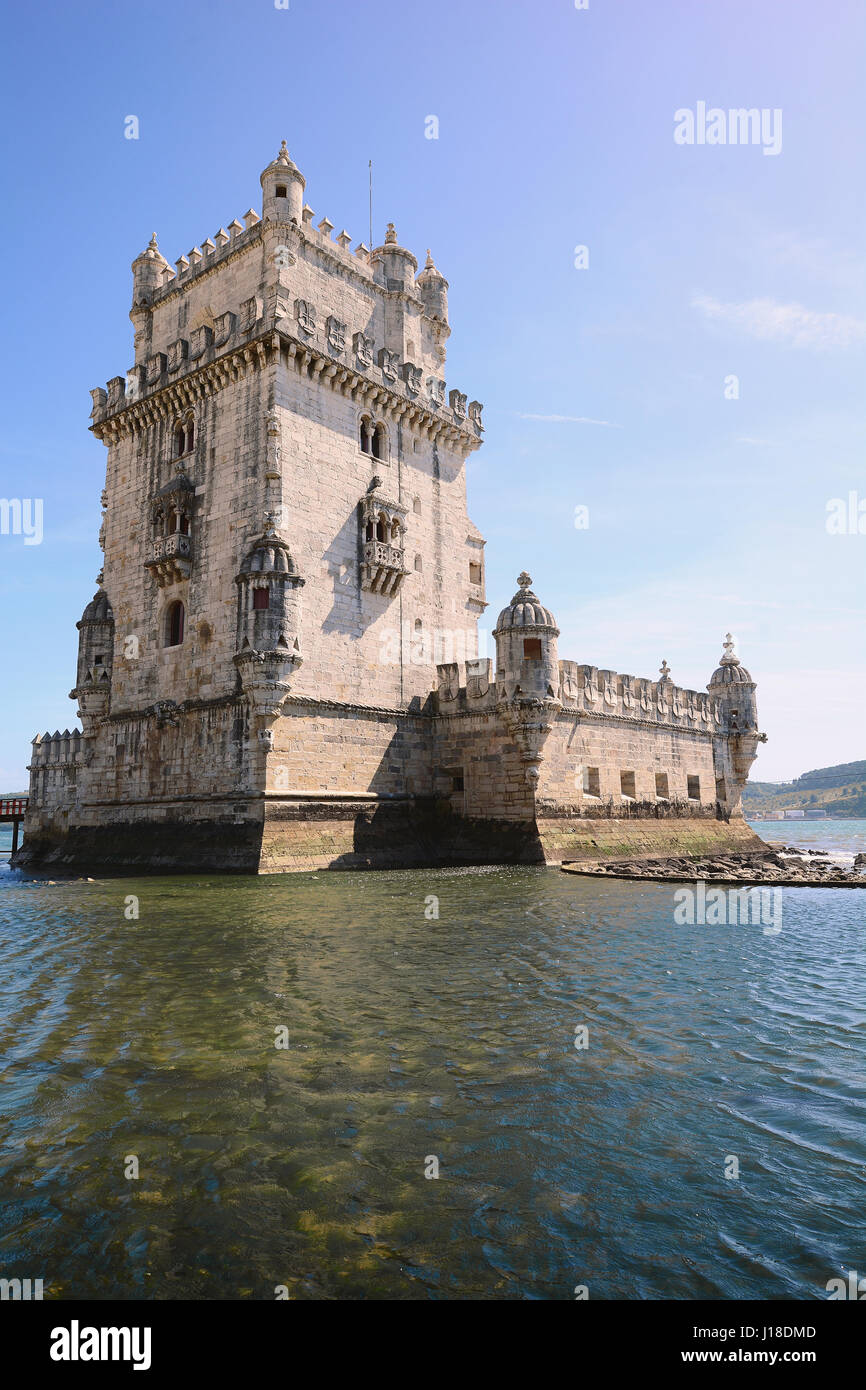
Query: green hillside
[840, 791]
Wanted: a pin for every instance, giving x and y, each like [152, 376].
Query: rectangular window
[532, 649]
[474, 572]
[591, 783]
[626, 785]
[694, 784]
[261, 598]
[661, 785]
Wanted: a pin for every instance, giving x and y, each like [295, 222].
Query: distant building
[816, 815]
[791, 814]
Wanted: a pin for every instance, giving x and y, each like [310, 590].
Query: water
[413, 1037]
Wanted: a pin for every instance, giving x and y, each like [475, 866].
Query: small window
[721, 793]
[97, 661]
[694, 786]
[190, 437]
[261, 599]
[532, 649]
[179, 441]
[662, 786]
[281, 190]
[419, 564]
[627, 785]
[474, 572]
[457, 782]
[364, 437]
[174, 625]
[591, 782]
[416, 506]
[379, 442]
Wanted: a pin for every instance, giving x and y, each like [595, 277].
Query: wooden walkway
[13, 809]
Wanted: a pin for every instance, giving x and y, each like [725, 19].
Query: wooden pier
[13, 809]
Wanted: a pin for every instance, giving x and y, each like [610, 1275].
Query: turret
[283, 187]
[95, 660]
[147, 272]
[398, 264]
[527, 662]
[734, 689]
[433, 289]
[735, 747]
[527, 675]
[269, 646]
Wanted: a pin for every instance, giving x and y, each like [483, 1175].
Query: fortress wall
[350, 750]
[619, 746]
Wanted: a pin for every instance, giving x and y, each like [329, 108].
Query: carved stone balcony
[170, 559]
[383, 569]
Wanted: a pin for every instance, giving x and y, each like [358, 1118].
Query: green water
[412, 1037]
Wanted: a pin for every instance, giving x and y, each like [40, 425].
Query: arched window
[261, 598]
[379, 441]
[174, 624]
[395, 532]
[183, 438]
[364, 437]
[370, 533]
[382, 527]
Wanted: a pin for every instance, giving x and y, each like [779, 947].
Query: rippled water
[411, 1037]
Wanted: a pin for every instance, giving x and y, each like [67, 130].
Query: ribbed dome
[98, 610]
[731, 674]
[525, 610]
[729, 671]
[270, 555]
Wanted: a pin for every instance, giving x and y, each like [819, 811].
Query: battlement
[587, 689]
[56, 750]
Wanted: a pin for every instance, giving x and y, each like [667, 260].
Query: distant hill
[840, 791]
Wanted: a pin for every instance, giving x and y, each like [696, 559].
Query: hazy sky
[604, 386]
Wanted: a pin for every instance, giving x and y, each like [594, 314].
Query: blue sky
[555, 131]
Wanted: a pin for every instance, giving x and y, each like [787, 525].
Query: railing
[166, 547]
[377, 553]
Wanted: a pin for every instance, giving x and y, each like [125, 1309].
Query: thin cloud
[567, 420]
[792, 324]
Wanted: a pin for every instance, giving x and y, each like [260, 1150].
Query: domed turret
[526, 653]
[147, 271]
[398, 264]
[95, 661]
[433, 289]
[269, 622]
[283, 187]
[734, 688]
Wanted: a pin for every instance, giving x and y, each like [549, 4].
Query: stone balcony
[170, 558]
[383, 569]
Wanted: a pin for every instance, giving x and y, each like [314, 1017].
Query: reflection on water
[411, 1036]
